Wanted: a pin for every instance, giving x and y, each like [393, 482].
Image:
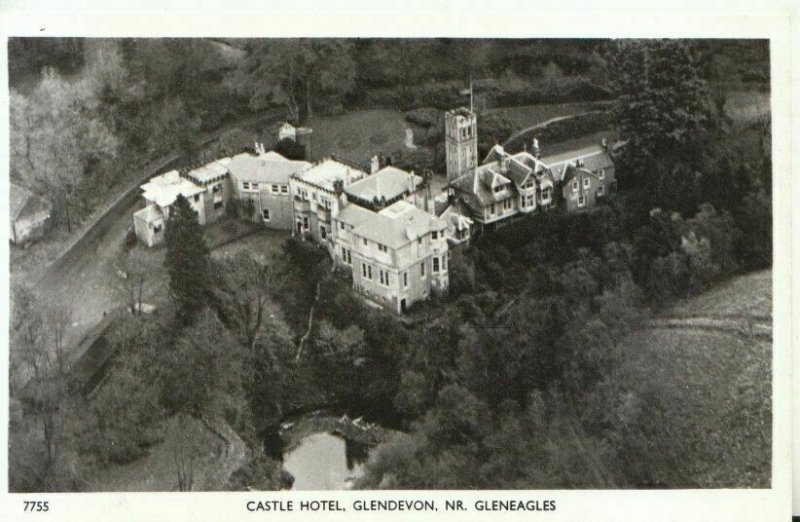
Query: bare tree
[182, 455]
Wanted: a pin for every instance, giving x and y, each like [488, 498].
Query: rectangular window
[601, 174]
[274, 189]
[216, 188]
[493, 208]
[586, 182]
[435, 265]
[434, 235]
[581, 201]
[284, 189]
[349, 258]
[254, 186]
[305, 223]
[323, 232]
[600, 190]
[405, 279]
[265, 214]
[245, 185]
[575, 185]
[217, 205]
[422, 269]
[444, 263]
[363, 270]
[341, 225]
[197, 198]
[382, 248]
[369, 272]
[366, 242]
[344, 254]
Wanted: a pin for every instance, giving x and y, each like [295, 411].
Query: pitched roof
[149, 214]
[398, 224]
[265, 168]
[164, 189]
[210, 172]
[455, 218]
[389, 182]
[570, 171]
[327, 171]
[354, 215]
[594, 158]
[23, 202]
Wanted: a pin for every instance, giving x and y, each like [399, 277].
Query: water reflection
[323, 461]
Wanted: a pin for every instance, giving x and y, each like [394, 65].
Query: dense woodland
[510, 381]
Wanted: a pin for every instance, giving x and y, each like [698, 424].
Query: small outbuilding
[30, 215]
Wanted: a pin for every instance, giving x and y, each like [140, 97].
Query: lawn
[526, 116]
[748, 106]
[749, 295]
[357, 136]
[709, 392]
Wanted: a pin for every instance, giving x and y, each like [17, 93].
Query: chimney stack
[375, 165]
[535, 148]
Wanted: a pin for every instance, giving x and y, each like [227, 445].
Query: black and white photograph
[348, 264]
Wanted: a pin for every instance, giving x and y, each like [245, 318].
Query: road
[79, 280]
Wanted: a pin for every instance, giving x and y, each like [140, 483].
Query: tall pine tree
[664, 109]
[187, 262]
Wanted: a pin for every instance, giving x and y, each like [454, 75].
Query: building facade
[507, 185]
[314, 198]
[159, 194]
[397, 256]
[261, 186]
[215, 179]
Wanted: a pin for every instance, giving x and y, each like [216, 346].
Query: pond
[323, 461]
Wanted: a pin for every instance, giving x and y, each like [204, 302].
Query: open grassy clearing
[528, 115]
[749, 295]
[748, 106]
[708, 392]
[357, 136]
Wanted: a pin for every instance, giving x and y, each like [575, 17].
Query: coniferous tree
[187, 262]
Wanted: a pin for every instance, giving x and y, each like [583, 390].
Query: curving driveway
[79, 280]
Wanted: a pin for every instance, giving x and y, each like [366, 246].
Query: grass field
[357, 136]
[526, 116]
[709, 391]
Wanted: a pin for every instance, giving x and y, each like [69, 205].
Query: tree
[663, 108]
[57, 141]
[300, 74]
[131, 279]
[187, 262]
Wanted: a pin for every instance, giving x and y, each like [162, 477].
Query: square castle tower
[461, 142]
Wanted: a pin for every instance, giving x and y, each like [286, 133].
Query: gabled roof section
[265, 168]
[327, 171]
[354, 215]
[594, 158]
[24, 203]
[571, 171]
[210, 172]
[389, 182]
[164, 189]
[398, 224]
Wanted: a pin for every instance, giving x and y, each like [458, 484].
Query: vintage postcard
[502, 266]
